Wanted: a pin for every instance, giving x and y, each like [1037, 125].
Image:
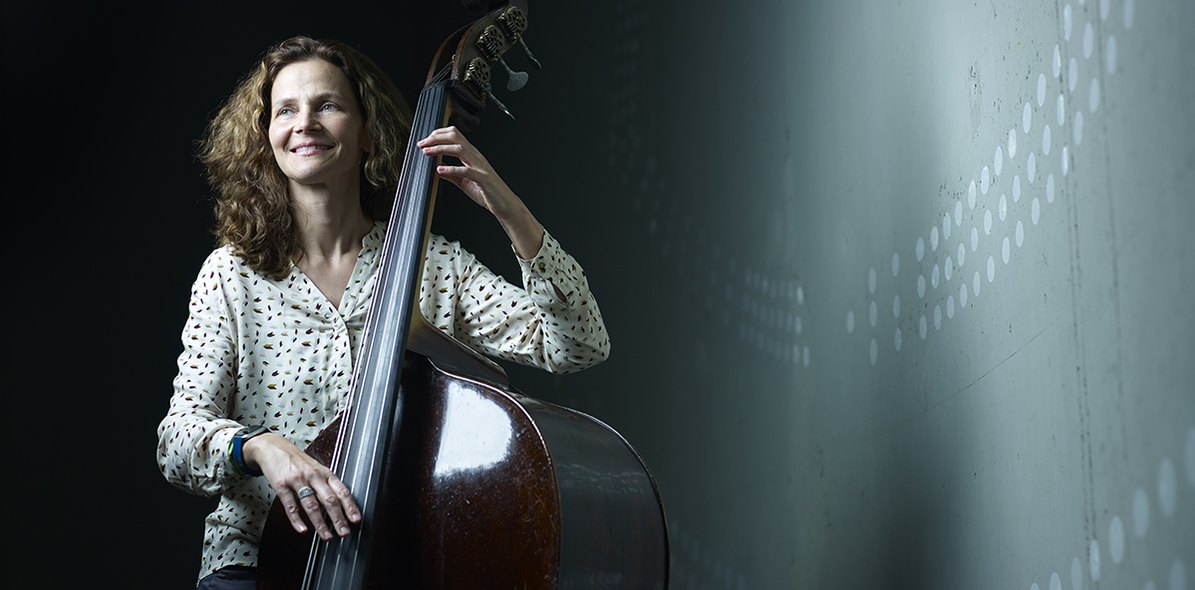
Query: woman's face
[317, 131]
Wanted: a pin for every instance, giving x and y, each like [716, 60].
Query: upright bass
[464, 481]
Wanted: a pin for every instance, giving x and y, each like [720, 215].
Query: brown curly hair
[253, 211]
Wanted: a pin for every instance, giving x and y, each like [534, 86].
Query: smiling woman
[305, 157]
[317, 130]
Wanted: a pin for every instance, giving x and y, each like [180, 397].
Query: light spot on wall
[1066, 22]
[1116, 540]
[1178, 575]
[1140, 513]
[1167, 487]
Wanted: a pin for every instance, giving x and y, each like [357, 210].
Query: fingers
[442, 135]
[324, 502]
[449, 141]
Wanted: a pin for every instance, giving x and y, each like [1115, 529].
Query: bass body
[489, 488]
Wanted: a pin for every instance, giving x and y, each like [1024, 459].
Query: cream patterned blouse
[260, 351]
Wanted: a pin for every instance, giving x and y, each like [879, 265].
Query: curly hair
[253, 211]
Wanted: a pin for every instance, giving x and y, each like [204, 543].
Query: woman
[304, 157]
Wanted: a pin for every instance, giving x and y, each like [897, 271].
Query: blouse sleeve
[552, 323]
[194, 436]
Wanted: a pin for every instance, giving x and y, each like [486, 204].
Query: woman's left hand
[477, 178]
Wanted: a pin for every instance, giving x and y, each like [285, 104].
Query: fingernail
[344, 531]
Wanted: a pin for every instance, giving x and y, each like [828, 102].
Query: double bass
[463, 480]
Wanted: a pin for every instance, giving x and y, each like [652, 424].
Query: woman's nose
[306, 121]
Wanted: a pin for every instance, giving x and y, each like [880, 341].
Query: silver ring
[305, 492]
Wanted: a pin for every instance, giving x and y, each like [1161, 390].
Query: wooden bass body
[487, 488]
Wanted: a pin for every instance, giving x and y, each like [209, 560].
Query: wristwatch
[238, 445]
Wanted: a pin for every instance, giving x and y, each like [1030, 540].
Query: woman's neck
[330, 221]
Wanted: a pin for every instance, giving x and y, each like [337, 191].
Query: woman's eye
[285, 111]
[329, 107]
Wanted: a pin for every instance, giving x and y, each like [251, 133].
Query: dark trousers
[233, 577]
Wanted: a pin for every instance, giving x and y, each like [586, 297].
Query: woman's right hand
[289, 470]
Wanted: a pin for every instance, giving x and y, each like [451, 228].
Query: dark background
[112, 220]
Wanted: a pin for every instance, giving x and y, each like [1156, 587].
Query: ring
[305, 492]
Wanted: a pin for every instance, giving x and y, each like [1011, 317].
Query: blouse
[276, 352]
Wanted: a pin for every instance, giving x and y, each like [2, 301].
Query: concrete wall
[898, 291]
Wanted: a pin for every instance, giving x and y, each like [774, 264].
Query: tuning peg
[516, 80]
[501, 106]
[530, 56]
